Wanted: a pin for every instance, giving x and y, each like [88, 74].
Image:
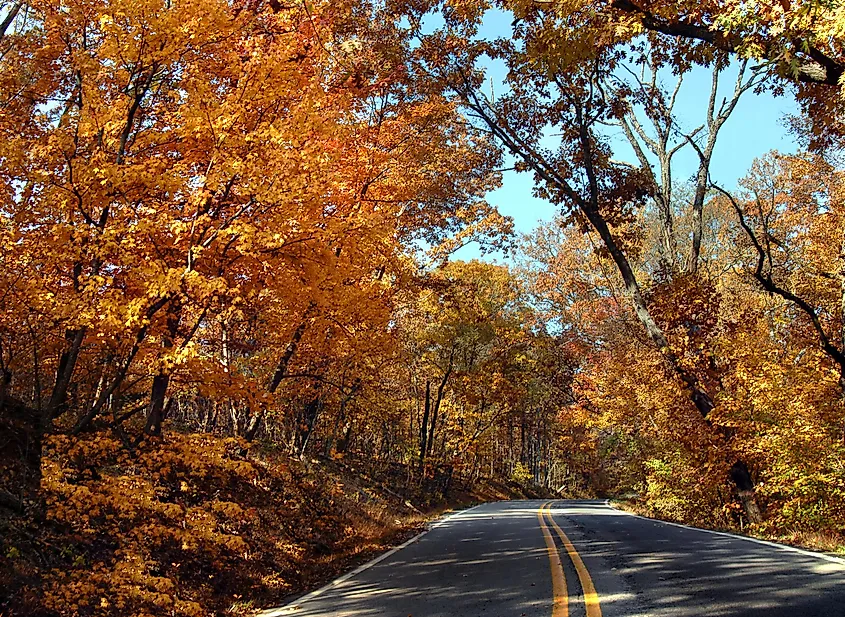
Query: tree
[799, 43]
[189, 177]
[636, 91]
[792, 214]
[549, 93]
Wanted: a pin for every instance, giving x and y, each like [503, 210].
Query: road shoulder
[728, 534]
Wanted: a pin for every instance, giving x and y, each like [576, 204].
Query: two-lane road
[580, 559]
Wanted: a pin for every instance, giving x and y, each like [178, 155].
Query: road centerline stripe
[591, 598]
[560, 597]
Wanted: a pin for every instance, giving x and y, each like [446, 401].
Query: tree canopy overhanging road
[581, 559]
[281, 280]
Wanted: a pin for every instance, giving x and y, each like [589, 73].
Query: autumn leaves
[189, 174]
[236, 218]
[653, 283]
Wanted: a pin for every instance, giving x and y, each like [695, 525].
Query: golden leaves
[157, 500]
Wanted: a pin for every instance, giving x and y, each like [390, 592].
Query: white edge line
[292, 606]
[784, 547]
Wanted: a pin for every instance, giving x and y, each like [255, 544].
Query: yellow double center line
[560, 606]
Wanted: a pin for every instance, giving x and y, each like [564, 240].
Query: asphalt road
[580, 559]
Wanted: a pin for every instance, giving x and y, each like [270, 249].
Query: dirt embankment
[193, 525]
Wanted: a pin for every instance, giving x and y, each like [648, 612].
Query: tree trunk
[309, 419]
[341, 416]
[156, 408]
[256, 417]
[20, 453]
[698, 214]
[343, 442]
[64, 374]
[424, 423]
[290, 350]
[39, 423]
[744, 483]
[436, 409]
[253, 425]
[842, 318]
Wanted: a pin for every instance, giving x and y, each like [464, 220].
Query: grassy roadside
[826, 543]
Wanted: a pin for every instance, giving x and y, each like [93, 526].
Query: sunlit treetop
[798, 43]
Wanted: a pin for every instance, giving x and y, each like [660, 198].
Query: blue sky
[755, 127]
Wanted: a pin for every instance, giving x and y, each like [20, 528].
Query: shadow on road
[492, 562]
[671, 571]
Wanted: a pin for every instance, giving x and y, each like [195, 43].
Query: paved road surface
[580, 559]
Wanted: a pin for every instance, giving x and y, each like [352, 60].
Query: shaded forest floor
[821, 542]
[196, 525]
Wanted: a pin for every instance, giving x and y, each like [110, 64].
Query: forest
[228, 278]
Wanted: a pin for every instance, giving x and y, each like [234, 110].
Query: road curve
[580, 559]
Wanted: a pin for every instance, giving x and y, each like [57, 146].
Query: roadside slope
[203, 525]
